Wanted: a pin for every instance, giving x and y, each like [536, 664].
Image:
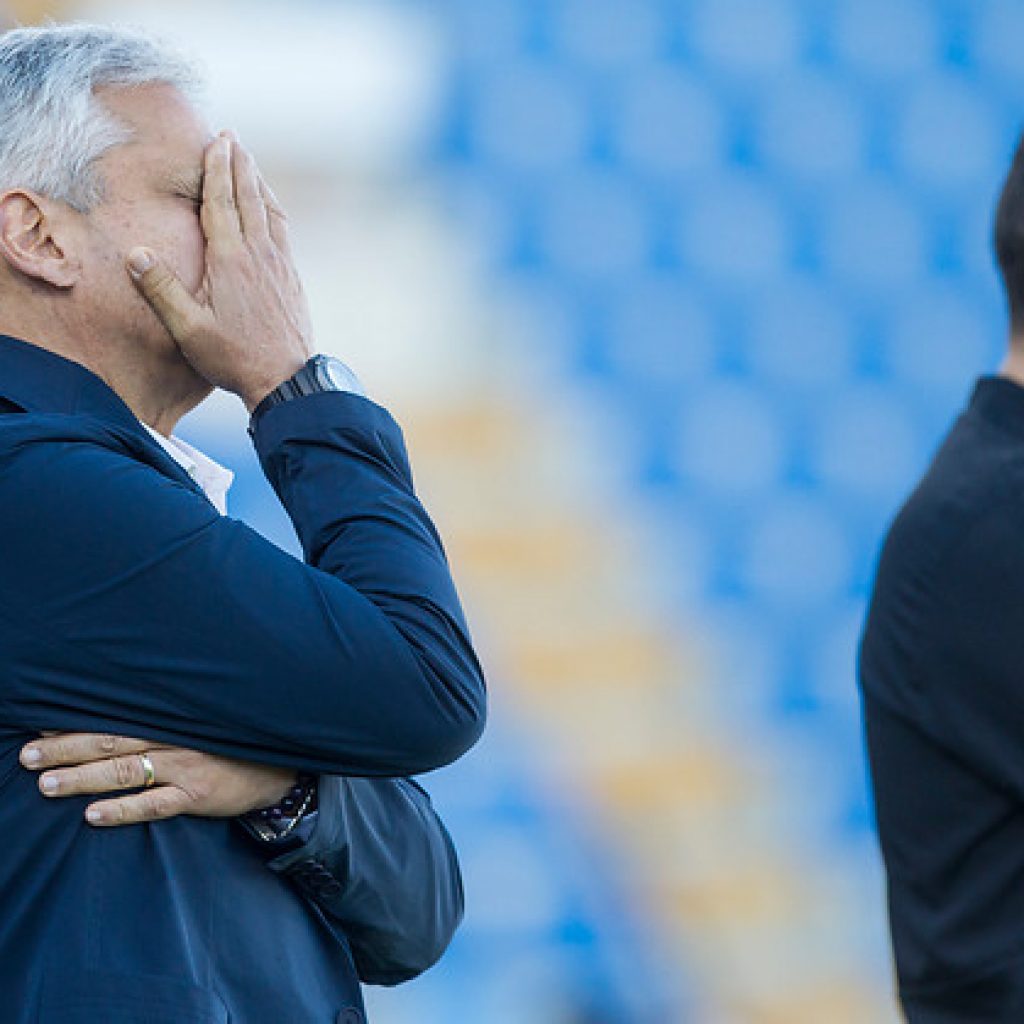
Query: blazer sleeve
[381, 863]
[129, 605]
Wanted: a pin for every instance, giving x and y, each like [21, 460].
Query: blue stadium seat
[800, 338]
[796, 554]
[947, 134]
[735, 231]
[887, 39]
[666, 122]
[530, 117]
[875, 240]
[732, 440]
[811, 126]
[995, 32]
[594, 226]
[747, 37]
[607, 34]
[868, 443]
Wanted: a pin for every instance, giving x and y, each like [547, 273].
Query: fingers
[252, 211]
[73, 748]
[277, 219]
[153, 805]
[122, 772]
[218, 214]
[232, 199]
[169, 298]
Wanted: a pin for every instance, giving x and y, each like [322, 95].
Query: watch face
[334, 374]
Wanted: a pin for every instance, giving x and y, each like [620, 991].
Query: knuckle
[268, 254]
[108, 743]
[252, 271]
[160, 281]
[222, 255]
[160, 806]
[188, 324]
[124, 771]
[200, 788]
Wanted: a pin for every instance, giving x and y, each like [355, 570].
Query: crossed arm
[399, 894]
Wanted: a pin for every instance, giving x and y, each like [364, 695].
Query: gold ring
[147, 770]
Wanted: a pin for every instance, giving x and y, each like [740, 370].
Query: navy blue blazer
[129, 605]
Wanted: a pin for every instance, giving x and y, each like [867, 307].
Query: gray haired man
[164, 649]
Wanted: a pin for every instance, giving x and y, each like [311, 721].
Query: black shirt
[942, 678]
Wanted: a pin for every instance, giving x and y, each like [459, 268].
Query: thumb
[165, 293]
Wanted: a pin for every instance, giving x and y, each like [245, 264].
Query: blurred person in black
[941, 674]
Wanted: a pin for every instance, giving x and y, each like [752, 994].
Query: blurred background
[674, 299]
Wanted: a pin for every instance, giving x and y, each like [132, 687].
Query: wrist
[319, 373]
[280, 819]
[279, 786]
[252, 393]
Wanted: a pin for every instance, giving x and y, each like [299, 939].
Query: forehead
[168, 133]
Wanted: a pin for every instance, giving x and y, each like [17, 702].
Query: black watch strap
[319, 373]
[273, 824]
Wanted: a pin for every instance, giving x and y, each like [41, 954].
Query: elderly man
[161, 646]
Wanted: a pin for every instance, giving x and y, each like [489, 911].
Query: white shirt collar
[211, 476]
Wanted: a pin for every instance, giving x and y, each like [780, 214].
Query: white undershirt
[211, 476]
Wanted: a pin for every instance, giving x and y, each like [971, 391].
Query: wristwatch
[320, 373]
[273, 824]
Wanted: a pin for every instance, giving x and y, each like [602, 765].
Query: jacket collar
[41, 381]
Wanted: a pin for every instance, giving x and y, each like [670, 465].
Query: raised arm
[149, 614]
[128, 605]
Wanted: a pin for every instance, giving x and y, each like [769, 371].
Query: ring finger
[252, 213]
[124, 772]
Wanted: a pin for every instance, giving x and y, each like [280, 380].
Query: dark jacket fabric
[942, 677]
[129, 605]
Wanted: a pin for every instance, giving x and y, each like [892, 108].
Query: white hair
[52, 126]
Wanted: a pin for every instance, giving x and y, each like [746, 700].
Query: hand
[248, 328]
[187, 781]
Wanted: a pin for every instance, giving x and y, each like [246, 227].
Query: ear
[31, 238]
